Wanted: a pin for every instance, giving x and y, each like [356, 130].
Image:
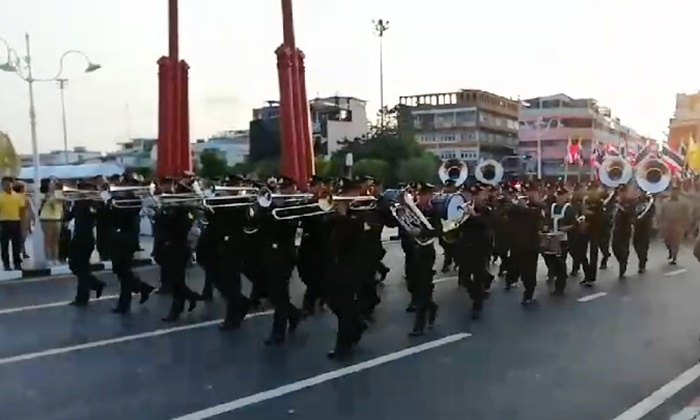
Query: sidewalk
[141, 258]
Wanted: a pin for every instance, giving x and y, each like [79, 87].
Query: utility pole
[380, 27]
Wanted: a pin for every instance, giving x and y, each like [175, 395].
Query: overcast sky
[632, 55]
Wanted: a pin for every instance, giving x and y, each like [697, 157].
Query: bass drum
[449, 206]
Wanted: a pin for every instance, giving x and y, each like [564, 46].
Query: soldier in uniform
[450, 187]
[624, 217]
[562, 218]
[643, 227]
[673, 219]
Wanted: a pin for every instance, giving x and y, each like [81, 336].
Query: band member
[500, 227]
[176, 251]
[526, 220]
[562, 218]
[577, 237]
[421, 270]
[367, 296]
[347, 236]
[624, 217]
[83, 213]
[472, 251]
[450, 187]
[277, 243]
[643, 227]
[123, 235]
[314, 252]
[673, 220]
[595, 224]
[609, 203]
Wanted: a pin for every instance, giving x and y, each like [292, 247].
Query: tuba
[455, 170]
[411, 219]
[653, 175]
[615, 171]
[489, 172]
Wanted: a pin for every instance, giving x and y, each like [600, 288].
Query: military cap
[317, 179]
[476, 188]
[285, 181]
[348, 184]
[561, 190]
[530, 186]
[449, 182]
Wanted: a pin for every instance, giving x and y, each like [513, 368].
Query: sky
[631, 55]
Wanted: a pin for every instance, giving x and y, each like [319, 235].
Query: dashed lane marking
[319, 379]
[124, 339]
[50, 305]
[647, 405]
[676, 272]
[592, 296]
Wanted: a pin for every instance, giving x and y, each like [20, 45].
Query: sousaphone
[455, 170]
[615, 171]
[489, 172]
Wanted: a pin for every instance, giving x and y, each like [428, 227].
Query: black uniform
[643, 226]
[562, 217]
[526, 223]
[313, 261]
[622, 232]
[83, 213]
[473, 253]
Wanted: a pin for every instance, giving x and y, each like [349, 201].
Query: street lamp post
[380, 27]
[62, 86]
[22, 67]
[540, 129]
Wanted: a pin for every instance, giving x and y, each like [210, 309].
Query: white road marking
[676, 272]
[49, 305]
[67, 276]
[667, 391]
[319, 379]
[592, 296]
[124, 339]
[443, 279]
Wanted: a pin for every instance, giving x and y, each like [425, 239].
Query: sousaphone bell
[615, 171]
[455, 170]
[489, 172]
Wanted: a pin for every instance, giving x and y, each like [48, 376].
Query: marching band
[250, 230]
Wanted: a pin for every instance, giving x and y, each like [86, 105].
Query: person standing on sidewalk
[12, 207]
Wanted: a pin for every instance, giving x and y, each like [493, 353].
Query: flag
[692, 155]
[651, 149]
[597, 153]
[673, 159]
[574, 155]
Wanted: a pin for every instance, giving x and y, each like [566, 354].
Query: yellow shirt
[52, 209]
[11, 206]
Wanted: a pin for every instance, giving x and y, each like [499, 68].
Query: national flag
[574, 154]
[673, 159]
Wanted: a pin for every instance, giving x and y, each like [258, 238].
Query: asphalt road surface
[623, 350]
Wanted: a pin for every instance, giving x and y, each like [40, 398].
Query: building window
[465, 118]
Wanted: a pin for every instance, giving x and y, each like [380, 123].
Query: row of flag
[685, 160]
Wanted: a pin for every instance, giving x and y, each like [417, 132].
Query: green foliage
[376, 168]
[211, 165]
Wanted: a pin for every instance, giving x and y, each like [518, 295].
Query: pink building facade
[556, 119]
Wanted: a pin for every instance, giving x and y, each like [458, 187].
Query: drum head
[454, 207]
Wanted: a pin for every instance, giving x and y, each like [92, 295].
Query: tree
[211, 165]
[376, 168]
[420, 169]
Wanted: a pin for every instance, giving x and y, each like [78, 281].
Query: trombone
[74, 194]
[227, 197]
[136, 197]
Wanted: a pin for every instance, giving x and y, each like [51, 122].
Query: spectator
[28, 217]
[51, 218]
[12, 207]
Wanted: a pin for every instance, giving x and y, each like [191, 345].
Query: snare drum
[550, 242]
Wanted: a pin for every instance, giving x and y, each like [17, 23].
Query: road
[592, 355]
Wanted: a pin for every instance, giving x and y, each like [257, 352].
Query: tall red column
[295, 147]
[173, 119]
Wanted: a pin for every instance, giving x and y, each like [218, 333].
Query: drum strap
[556, 217]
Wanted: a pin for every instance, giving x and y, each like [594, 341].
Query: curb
[63, 269]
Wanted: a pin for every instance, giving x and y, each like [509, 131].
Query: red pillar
[289, 159]
[165, 157]
[304, 120]
[173, 118]
[295, 146]
[184, 145]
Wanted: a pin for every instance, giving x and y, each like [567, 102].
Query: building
[686, 120]
[232, 146]
[136, 153]
[556, 119]
[469, 125]
[78, 155]
[333, 120]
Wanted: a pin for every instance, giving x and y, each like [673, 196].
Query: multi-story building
[686, 120]
[333, 120]
[556, 119]
[78, 155]
[232, 146]
[469, 125]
